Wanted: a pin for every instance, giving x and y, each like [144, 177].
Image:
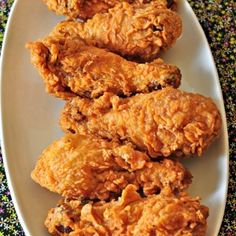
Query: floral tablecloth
[219, 23]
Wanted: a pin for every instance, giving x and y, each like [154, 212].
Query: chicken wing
[89, 167]
[69, 67]
[130, 215]
[162, 123]
[134, 32]
[85, 9]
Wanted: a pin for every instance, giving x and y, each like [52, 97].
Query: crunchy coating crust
[89, 167]
[162, 123]
[86, 9]
[69, 67]
[136, 32]
[130, 215]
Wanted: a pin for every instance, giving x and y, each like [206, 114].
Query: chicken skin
[135, 32]
[85, 9]
[161, 123]
[130, 215]
[92, 168]
[70, 68]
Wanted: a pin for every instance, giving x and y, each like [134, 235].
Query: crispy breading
[136, 32]
[69, 67]
[89, 167]
[162, 123]
[85, 9]
[130, 215]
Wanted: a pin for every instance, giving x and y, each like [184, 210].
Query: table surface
[218, 21]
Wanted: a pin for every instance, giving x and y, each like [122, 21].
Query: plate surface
[30, 116]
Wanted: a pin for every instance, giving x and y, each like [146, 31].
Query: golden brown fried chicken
[89, 167]
[86, 9]
[130, 215]
[162, 123]
[136, 32]
[69, 67]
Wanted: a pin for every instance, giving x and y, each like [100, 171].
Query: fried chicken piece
[89, 167]
[136, 32]
[69, 67]
[131, 215]
[85, 9]
[162, 123]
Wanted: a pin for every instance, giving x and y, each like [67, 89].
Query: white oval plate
[30, 116]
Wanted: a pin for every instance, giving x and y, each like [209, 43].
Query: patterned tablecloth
[218, 20]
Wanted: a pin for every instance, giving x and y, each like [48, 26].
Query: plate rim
[10, 181]
[2, 132]
[223, 116]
